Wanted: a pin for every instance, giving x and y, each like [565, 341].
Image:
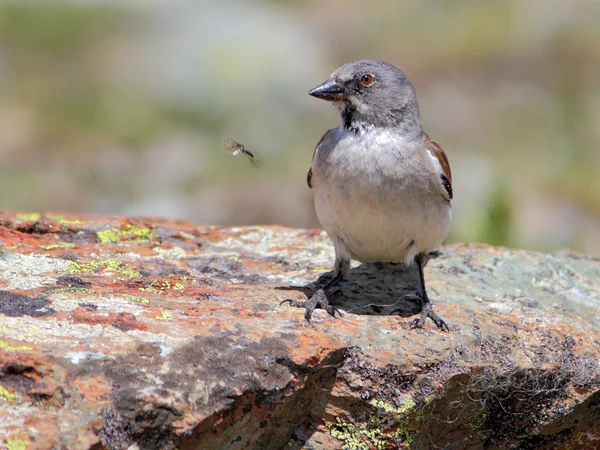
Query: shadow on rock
[373, 289]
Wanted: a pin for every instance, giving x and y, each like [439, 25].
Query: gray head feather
[389, 101]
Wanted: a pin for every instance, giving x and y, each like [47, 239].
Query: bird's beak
[329, 90]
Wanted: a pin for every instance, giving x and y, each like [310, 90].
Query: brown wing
[309, 174]
[438, 154]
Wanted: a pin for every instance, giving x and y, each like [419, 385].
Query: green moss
[377, 431]
[109, 266]
[347, 433]
[9, 348]
[9, 396]
[419, 415]
[478, 427]
[129, 233]
[28, 217]
[16, 444]
[402, 433]
[375, 437]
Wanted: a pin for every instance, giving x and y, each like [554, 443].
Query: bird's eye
[367, 79]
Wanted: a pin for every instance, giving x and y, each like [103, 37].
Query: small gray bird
[382, 187]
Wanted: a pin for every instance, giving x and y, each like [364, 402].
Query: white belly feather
[374, 193]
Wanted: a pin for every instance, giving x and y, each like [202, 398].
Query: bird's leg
[427, 309]
[319, 298]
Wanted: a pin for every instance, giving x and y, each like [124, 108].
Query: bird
[382, 187]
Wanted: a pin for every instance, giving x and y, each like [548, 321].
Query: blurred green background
[122, 107]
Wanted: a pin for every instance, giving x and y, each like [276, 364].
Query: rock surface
[120, 333]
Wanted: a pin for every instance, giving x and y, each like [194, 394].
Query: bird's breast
[369, 190]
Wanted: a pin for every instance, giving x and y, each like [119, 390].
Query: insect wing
[233, 147]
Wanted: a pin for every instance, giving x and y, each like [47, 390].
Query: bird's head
[371, 93]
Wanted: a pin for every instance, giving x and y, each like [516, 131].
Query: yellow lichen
[389, 427]
[164, 315]
[59, 245]
[9, 396]
[158, 287]
[136, 299]
[9, 348]
[150, 289]
[129, 233]
[16, 444]
[106, 265]
[28, 217]
[391, 409]
[347, 433]
[63, 220]
[72, 290]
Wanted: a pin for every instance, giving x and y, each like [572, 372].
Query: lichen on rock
[117, 332]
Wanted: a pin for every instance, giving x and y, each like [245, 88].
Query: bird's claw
[318, 300]
[427, 312]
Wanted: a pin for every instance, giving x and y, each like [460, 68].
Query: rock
[120, 333]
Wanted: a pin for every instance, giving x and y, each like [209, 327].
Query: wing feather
[310, 172]
[441, 161]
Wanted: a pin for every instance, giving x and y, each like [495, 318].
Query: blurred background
[121, 107]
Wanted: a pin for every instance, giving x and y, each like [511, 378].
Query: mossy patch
[129, 233]
[388, 428]
[104, 265]
[348, 434]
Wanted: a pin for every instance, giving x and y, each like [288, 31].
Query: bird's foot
[318, 300]
[427, 312]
